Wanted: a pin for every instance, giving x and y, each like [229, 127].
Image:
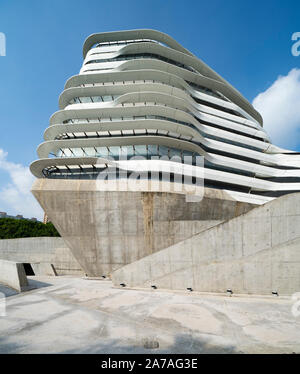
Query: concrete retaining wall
[257, 253]
[12, 274]
[41, 250]
[43, 268]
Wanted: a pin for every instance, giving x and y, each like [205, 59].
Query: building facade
[141, 105]
[140, 93]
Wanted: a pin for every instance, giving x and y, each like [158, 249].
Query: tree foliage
[18, 228]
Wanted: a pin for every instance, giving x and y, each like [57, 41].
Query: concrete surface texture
[12, 274]
[41, 250]
[107, 229]
[74, 315]
[257, 253]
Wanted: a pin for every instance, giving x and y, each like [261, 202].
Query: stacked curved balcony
[140, 93]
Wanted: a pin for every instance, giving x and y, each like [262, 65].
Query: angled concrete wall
[107, 229]
[46, 250]
[12, 274]
[257, 252]
[43, 268]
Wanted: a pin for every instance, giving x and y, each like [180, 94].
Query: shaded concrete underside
[96, 318]
[106, 230]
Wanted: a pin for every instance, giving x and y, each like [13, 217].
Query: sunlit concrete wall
[257, 253]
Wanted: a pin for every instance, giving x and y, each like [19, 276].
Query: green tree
[20, 228]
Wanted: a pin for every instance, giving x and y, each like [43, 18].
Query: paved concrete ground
[75, 315]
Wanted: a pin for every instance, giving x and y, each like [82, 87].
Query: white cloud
[279, 106]
[15, 196]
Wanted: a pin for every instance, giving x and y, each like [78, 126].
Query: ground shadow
[33, 284]
[183, 344]
[7, 291]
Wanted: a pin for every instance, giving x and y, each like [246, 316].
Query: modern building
[19, 216]
[45, 219]
[143, 104]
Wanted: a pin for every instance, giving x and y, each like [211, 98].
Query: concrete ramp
[12, 274]
[256, 253]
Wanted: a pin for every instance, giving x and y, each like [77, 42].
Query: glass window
[114, 151]
[152, 150]
[97, 99]
[107, 98]
[140, 150]
[163, 151]
[78, 152]
[90, 151]
[174, 152]
[102, 151]
[86, 99]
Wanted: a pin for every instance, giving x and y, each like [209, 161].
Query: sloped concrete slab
[257, 253]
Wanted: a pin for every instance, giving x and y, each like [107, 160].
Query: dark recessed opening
[28, 269]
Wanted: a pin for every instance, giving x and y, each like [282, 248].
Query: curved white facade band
[141, 93]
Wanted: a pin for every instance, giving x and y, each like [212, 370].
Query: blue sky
[247, 42]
